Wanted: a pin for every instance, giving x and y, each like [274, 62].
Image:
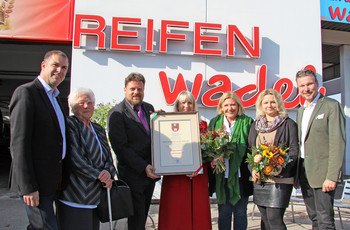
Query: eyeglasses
[88, 103]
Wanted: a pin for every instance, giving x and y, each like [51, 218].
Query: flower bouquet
[215, 144]
[268, 160]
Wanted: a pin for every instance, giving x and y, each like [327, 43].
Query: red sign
[37, 20]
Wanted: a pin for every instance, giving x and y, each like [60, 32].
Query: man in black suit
[129, 133]
[38, 141]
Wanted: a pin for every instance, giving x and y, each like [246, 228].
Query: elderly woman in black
[273, 126]
[90, 165]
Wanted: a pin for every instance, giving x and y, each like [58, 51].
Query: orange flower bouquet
[268, 160]
[215, 144]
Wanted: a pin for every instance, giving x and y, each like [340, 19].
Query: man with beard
[129, 133]
[321, 125]
[38, 141]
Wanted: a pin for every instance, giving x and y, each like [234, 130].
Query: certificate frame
[176, 143]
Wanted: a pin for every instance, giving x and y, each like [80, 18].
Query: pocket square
[320, 116]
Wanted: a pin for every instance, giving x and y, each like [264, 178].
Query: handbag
[121, 202]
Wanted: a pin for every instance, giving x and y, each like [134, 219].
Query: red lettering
[179, 86]
[149, 41]
[116, 33]
[337, 13]
[224, 86]
[165, 36]
[98, 31]
[252, 50]
[288, 87]
[199, 38]
[260, 86]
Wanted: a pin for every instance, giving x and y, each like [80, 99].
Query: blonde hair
[185, 96]
[234, 97]
[279, 101]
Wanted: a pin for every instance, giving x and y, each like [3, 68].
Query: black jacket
[131, 143]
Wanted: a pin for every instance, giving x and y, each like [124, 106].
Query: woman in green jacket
[233, 187]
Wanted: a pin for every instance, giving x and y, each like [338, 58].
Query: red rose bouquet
[215, 144]
[268, 160]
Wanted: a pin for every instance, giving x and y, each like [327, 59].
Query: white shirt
[52, 94]
[305, 122]
[229, 129]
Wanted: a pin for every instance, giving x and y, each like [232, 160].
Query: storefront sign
[335, 10]
[205, 48]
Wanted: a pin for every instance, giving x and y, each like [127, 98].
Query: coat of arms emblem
[175, 127]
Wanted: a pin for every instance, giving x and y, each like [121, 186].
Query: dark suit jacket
[82, 186]
[324, 141]
[36, 141]
[131, 143]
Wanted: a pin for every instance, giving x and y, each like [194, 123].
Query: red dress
[185, 203]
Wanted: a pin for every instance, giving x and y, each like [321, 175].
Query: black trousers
[141, 202]
[319, 205]
[70, 218]
[272, 218]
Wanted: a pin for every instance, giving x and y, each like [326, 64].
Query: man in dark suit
[129, 133]
[321, 124]
[38, 140]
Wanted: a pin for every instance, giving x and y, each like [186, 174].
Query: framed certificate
[176, 143]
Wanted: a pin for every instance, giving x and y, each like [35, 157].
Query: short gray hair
[75, 93]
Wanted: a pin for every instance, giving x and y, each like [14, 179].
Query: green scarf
[240, 141]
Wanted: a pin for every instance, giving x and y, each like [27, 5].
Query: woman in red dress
[184, 200]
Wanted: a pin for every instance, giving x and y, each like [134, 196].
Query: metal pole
[109, 208]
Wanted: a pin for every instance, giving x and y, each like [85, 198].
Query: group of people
[67, 160]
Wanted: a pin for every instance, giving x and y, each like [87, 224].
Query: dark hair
[134, 77]
[49, 54]
[304, 73]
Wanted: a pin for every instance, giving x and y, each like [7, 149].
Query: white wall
[290, 39]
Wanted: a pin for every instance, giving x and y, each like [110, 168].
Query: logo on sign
[175, 127]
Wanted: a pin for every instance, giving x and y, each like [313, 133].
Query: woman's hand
[192, 175]
[255, 175]
[104, 177]
[108, 184]
[215, 161]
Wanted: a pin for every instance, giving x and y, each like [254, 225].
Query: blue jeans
[239, 212]
[42, 216]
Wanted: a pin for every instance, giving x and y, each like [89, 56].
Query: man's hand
[32, 199]
[329, 185]
[149, 171]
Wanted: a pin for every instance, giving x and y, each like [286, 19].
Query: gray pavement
[13, 217]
